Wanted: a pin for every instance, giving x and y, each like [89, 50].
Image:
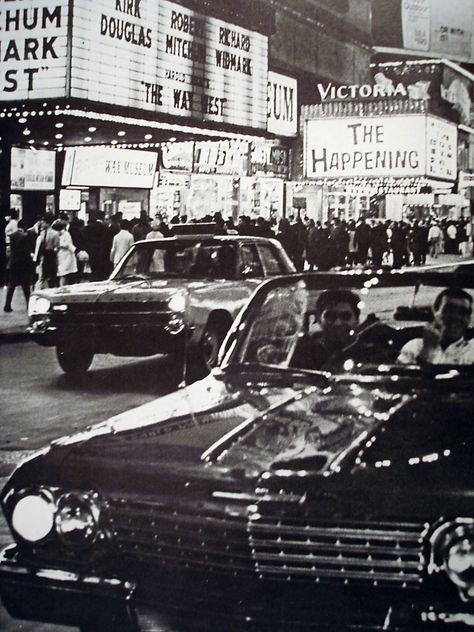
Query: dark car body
[166, 296]
[265, 496]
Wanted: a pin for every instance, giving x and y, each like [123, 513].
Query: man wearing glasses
[445, 340]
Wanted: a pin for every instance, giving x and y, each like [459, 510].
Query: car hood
[119, 291]
[233, 433]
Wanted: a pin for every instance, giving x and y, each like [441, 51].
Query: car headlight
[33, 517]
[177, 303]
[77, 519]
[452, 552]
[38, 305]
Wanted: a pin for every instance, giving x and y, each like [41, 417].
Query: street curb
[19, 335]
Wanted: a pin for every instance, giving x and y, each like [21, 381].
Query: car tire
[74, 357]
[211, 341]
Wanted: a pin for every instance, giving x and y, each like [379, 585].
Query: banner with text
[108, 167]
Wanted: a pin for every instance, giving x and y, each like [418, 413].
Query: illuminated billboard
[396, 146]
[153, 55]
[168, 59]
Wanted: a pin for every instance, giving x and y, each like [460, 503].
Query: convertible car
[268, 495]
[177, 295]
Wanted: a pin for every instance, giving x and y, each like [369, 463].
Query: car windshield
[201, 259]
[347, 323]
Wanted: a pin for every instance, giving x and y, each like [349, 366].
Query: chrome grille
[196, 536]
[211, 536]
[379, 553]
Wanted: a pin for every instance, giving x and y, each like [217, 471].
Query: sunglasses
[450, 308]
[331, 315]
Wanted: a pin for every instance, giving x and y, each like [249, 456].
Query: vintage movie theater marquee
[152, 55]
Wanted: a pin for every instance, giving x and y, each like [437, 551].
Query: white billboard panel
[395, 146]
[375, 146]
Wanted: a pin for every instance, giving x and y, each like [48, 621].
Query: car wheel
[74, 357]
[211, 342]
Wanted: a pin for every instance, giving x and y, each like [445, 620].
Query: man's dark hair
[329, 298]
[452, 292]
[48, 218]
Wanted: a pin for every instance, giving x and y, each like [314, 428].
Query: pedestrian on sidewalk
[21, 265]
[434, 240]
[67, 263]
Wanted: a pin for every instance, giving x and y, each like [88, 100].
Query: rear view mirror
[417, 313]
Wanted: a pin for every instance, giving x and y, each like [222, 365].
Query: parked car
[267, 496]
[175, 295]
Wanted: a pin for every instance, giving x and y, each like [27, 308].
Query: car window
[250, 265]
[193, 259]
[272, 264]
[283, 329]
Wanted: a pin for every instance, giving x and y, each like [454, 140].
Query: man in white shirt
[444, 340]
[121, 243]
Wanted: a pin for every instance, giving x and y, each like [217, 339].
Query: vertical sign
[282, 101]
[33, 49]
[441, 155]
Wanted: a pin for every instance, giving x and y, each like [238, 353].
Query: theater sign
[395, 146]
[152, 55]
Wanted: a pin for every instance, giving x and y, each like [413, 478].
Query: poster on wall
[32, 169]
[427, 28]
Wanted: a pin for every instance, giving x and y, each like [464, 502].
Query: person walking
[434, 240]
[362, 241]
[97, 243]
[67, 262]
[21, 265]
[46, 252]
[378, 243]
[121, 243]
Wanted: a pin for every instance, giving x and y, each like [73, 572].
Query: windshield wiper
[133, 277]
[253, 367]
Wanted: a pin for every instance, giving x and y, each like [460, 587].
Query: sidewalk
[13, 325]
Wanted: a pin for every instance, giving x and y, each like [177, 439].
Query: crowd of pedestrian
[62, 250]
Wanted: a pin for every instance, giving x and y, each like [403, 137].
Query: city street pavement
[13, 325]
